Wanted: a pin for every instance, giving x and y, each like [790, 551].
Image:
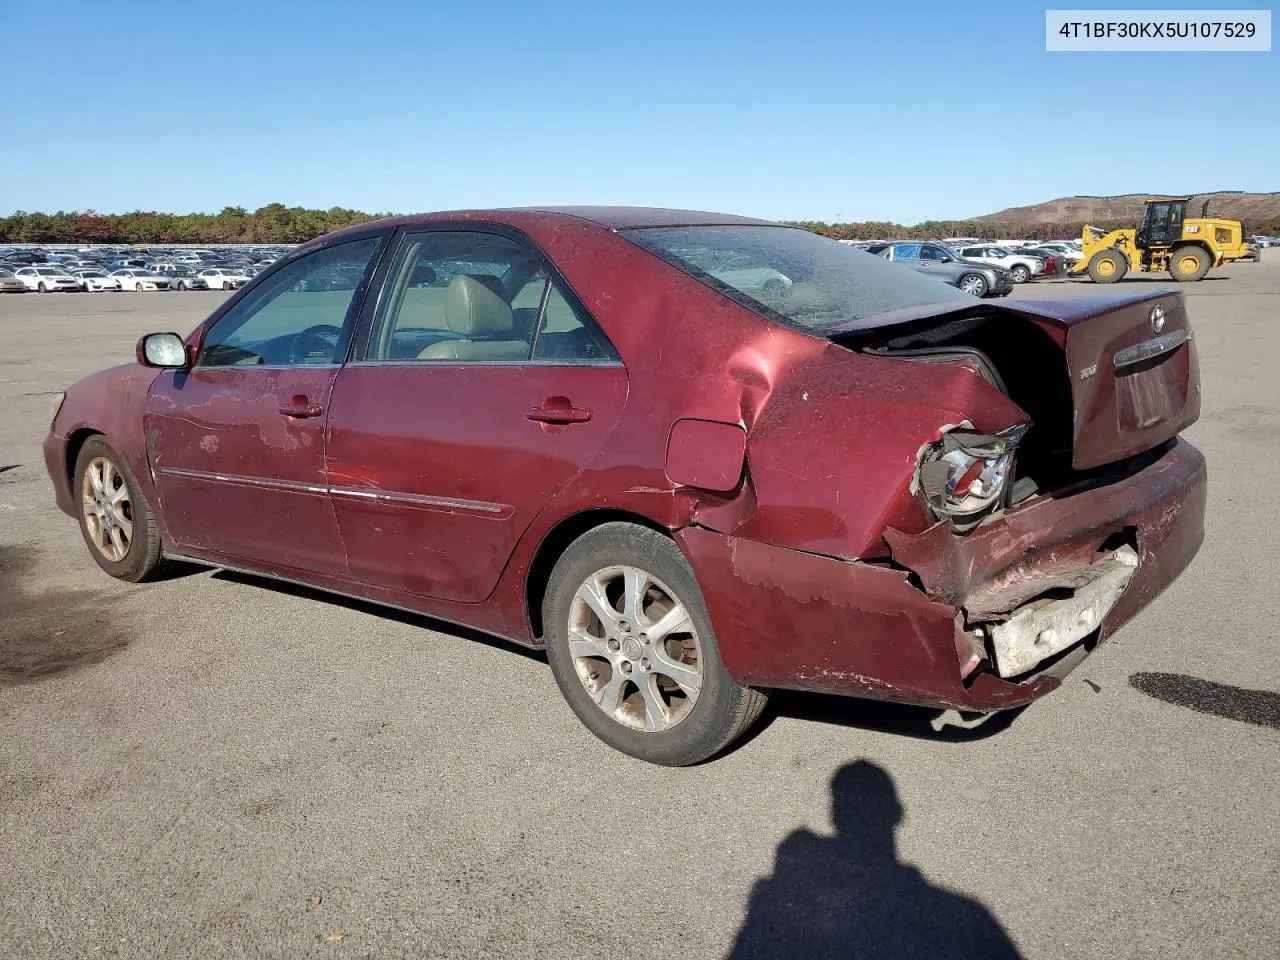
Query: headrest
[473, 310]
[490, 281]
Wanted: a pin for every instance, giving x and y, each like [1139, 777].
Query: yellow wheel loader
[1165, 240]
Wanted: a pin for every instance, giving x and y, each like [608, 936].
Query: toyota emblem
[1157, 319]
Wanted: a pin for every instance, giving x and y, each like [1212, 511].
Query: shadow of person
[848, 896]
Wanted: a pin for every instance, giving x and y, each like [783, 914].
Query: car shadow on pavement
[848, 895]
[874, 715]
[407, 617]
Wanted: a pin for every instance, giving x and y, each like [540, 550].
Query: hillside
[1249, 207]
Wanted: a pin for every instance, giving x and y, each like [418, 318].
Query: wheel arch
[75, 443]
[553, 545]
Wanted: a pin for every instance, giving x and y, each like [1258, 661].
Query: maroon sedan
[693, 456]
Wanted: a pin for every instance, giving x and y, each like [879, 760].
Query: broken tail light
[966, 474]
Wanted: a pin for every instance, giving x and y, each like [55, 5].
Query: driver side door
[237, 442]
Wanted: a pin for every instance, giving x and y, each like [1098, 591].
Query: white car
[223, 278]
[46, 279]
[139, 280]
[1022, 266]
[743, 275]
[96, 281]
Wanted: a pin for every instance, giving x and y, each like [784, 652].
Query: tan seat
[483, 322]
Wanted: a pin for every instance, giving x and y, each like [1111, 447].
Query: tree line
[276, 223]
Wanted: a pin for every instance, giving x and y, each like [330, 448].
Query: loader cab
[1161, 222]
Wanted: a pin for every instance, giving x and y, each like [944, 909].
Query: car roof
[611, 218]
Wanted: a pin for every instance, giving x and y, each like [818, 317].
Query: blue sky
[791, 110]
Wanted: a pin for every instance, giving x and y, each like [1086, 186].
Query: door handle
[300, 407]
[558, 410]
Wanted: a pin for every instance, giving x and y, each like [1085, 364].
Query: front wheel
[632, 649]
[1109, 266]
[1020, 274]
[137, 288]
[974, 284]
[41, 287]
[182, 285]
[1189, 264]
[115, 518]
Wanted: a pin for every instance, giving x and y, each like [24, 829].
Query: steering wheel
[315, 336]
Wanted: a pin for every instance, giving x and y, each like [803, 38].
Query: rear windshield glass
[792, 275]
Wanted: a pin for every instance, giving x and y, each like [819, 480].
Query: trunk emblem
[1157, 319]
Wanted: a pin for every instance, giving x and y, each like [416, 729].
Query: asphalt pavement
[219, 766]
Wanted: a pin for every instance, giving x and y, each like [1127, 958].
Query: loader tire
[1189, 264]
[1108, 266]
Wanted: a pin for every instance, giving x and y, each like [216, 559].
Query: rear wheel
[1189, 263]
[1020, 273]
[115, 518]
[1108, 266]
[631, 646]
[974, 284]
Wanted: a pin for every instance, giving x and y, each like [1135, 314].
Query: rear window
[793, 276]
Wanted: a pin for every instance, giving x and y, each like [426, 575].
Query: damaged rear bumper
[795, 620]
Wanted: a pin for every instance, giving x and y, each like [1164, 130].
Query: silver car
[11, 284]
[943, 263]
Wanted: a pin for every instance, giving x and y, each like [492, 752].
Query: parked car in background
[140, 280]
[686, 493]
[11, 284]
[1022, 266]
[741, 273]
[943, 263]
[1067, 256]
[47, 279]
[223, 278]
[183, 277]
[97, 281]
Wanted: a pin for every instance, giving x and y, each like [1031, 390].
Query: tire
[137, 288]
[1108, 266]
[974, 284]
[1020, 273]
[134, 555]
[674, 725]
[1188, 264]
[182, 286]
[41, 287]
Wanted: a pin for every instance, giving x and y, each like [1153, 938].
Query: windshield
[804, 280]
[52, 272]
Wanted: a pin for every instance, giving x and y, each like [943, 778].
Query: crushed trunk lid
[1129, 357]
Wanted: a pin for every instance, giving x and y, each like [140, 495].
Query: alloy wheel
[973, 286]
[635, 648]
[108, 509]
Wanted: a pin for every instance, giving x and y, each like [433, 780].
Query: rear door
[481, 390]
[237, 442]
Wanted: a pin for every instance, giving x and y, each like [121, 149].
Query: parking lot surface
[220, 766]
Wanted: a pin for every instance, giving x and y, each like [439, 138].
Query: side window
[906, 251]
[930, 252]
[298, 317]
[566, 335]
[475, 297]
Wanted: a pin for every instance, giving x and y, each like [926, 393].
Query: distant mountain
[1227, 203]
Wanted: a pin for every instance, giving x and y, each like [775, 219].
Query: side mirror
[946, 259]
[165, 350]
